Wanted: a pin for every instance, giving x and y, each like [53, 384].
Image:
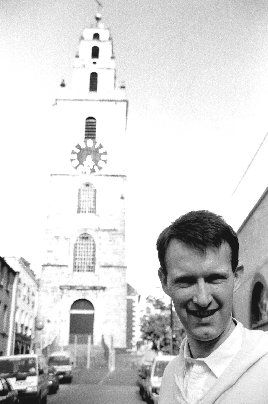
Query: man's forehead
[181, 249]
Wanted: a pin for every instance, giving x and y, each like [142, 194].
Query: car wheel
[44, 400]
[142, 393]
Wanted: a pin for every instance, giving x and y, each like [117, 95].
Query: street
[95, 394]
[98, 386]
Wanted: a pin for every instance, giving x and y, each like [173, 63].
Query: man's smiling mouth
[201, 313]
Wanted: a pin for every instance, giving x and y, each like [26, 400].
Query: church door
[81, 321]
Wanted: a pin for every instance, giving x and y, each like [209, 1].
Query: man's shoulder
[173, 363]
[168, 385]
[255, 336]
[254, 347]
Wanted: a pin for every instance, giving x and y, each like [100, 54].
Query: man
[220, 361]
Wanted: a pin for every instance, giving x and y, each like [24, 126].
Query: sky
[196, 74]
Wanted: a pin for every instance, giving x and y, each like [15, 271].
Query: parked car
[27, 374]
[7, 394]
[152, 382]
[53, 380]
[63, 364]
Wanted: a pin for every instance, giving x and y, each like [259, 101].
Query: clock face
[90, 157]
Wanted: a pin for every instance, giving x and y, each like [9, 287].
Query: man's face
[201, 287]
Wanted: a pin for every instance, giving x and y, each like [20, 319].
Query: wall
[253, 239]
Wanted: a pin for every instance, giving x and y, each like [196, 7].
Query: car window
[58, 360]
[159, 368]
[6, 366]
[24, 365]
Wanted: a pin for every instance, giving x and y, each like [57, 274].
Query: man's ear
[238, 277]
[163, 279]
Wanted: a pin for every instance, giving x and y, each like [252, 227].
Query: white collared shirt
[197, 376]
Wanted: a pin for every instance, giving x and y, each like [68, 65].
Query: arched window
[96, 36]
[90, 128]
[95, 52]
[86, 199]
[84, 253]
[259, 304]
[82, 304]
[93, 83]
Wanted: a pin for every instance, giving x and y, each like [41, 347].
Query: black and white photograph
[134, 201]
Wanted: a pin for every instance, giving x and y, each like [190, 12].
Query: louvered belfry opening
[84, 254]
[93, 83]
[95, 52]
[90, 128]
[86, 199]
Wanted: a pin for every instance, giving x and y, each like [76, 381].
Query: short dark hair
[199, 229]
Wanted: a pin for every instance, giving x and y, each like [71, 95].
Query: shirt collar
[219, 359]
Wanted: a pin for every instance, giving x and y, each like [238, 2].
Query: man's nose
[202, 295]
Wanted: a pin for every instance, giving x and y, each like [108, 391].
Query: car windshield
[159, 368]
[58, 360]
[17, 365]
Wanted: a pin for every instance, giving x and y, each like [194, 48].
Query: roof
[255, 207]
[4, 262]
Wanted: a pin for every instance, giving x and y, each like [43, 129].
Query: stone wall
[253, 239]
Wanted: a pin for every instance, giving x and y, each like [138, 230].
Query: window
[86, 199]
[5, 318]
[90, 128]
[84, 253]
[28, 295]
[8, 283]
[95, 52]
[259, 304]
[93, 84]
[96, 36]
[2, 276]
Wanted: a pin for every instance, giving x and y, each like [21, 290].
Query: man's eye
[185, 282]
[215, 279]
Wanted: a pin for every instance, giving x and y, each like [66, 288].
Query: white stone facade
[26, 303]
[87, 209]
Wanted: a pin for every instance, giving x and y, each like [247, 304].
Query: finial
[98, 17]
[98, 13]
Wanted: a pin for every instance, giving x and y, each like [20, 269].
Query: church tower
[83, 281]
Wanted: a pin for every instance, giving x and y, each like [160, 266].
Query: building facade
[251, 299]
[133, 318]
[249, 217]
[25, 306]
[83, 281]
[7, 278]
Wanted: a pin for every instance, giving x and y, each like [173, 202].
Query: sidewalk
[125, 373]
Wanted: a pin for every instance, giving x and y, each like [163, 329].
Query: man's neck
[202, 349]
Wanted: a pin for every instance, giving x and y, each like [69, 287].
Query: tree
[156, 326]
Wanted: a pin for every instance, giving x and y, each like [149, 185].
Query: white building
[25, 300]
[83, 281]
